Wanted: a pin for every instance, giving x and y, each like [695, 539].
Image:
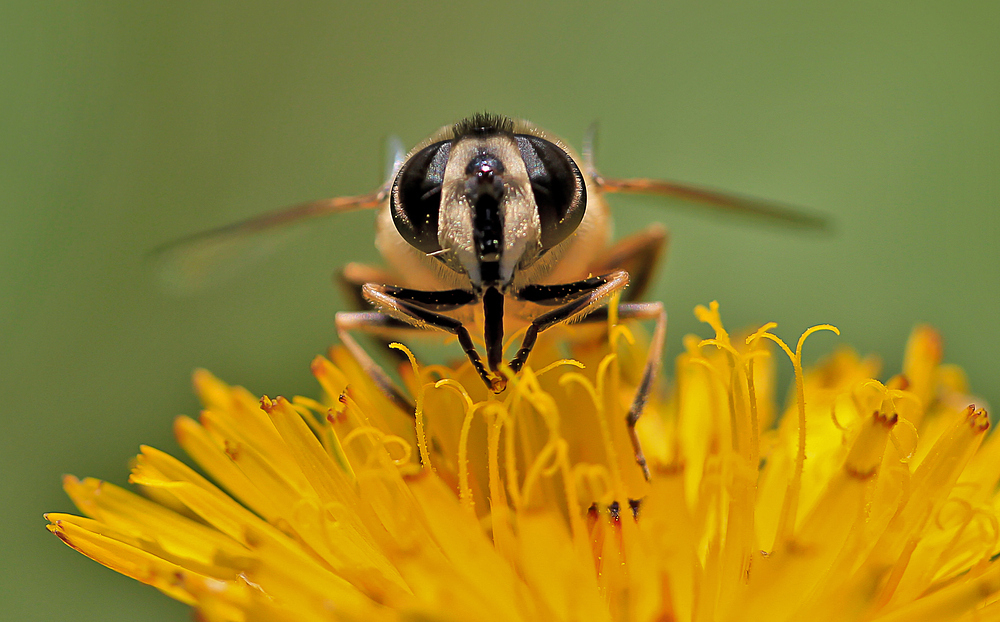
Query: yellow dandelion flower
[865, 501]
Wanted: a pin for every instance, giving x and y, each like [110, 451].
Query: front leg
[423, 310]
[582, 297]
[379, 325]
[576, 300]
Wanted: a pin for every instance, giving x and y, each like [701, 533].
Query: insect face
[487, 200]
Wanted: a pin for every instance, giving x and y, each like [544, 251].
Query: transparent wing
[723, 201]
[732, 203]
[190, 263]
[395, 155]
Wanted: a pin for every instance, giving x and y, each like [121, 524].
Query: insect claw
[498, 384]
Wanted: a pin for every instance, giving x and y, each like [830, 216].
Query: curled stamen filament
[910, 447]
[789, 510]
[464, 490]
[385, 440]
[425, 457]
[560, 363]
[968, 513]
[546, 463]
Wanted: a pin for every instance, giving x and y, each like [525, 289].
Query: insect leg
[353, 277]
[421, 309]
[639, 255]
[554, 295]
[582, 297]
[640, 311]
[373, 323]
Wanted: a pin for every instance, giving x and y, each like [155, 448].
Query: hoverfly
[491, 221]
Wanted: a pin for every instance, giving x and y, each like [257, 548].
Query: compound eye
[416, 196]
[558, 186]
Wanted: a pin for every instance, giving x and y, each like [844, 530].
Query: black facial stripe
[557, 185]
[484, 190]
[416, 196]
[487, 227]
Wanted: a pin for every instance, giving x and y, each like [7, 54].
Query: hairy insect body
[490, 226]
[489, 208]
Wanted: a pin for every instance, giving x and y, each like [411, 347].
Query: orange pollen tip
[861, 475]
[336, 415]
[414, 476]
[885, 419]
[978, 419]
[670, 469]
[266, 404]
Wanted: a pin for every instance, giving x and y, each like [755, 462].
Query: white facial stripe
[521, 227]
[455, 217]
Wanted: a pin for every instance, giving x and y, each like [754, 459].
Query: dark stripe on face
[487, 227]
[484, 189]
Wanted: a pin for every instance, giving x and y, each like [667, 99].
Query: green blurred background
[125, 125]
